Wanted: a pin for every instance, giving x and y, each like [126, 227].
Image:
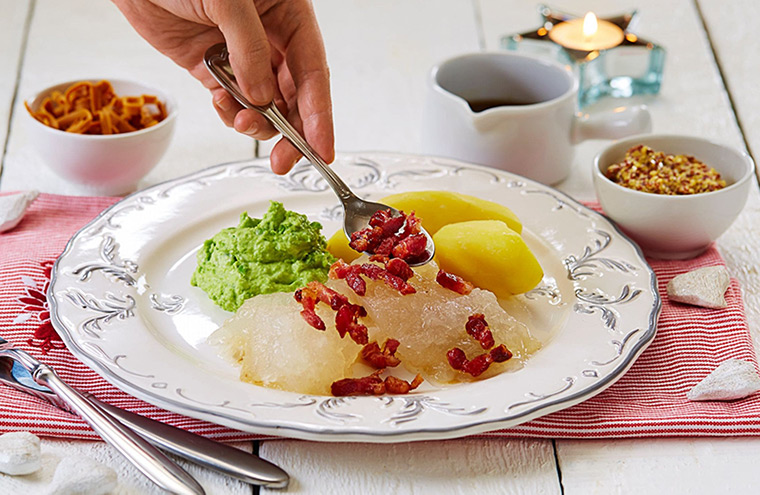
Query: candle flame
[590, 25]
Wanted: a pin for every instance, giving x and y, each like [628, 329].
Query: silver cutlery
[195, 448]
[150, 461]
[356, 211]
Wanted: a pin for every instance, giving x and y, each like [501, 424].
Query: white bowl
[675, 227]
[103, 164]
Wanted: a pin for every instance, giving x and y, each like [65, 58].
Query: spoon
[356, 211]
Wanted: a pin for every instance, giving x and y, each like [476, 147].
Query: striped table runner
[649, 400]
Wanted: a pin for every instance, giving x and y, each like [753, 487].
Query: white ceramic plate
[121, 299]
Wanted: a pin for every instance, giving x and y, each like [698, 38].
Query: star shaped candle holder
[608, 59]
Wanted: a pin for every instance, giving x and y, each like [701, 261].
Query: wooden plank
[100, 43]
[12, 29]
[445, 467]
[692, 101]
[667, 466]
[130, 480]
[734, 38]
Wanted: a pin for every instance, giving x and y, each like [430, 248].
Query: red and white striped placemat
[649, 400]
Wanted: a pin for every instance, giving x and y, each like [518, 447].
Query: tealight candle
[587, 34]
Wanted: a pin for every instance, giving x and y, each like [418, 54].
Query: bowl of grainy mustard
[673, 195]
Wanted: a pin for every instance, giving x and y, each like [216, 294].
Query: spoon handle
[275, 117]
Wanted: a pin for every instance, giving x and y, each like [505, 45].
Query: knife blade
[195, 448]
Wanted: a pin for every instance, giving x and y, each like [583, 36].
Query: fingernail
[261, 94]
[252, 129]
[222, 101]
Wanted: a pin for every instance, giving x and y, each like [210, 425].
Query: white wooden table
[379, 53]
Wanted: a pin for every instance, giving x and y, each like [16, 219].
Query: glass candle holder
[634, 67]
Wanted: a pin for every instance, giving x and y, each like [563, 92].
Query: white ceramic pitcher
[534, 133]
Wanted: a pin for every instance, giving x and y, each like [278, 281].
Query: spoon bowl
[356, 211]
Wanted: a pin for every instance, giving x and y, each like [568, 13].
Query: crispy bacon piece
[395, 385]
[393, 277]
[347, 321]
[410, 248]
[367, 385]
[347, 314]
[479, 364]
[399, 268]
[454, 282]
[399, 236]
[478, 329]
[373, 385]
[385, 358]
[376, 273]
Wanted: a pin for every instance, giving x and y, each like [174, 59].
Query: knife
[150, 461]
[195, 448]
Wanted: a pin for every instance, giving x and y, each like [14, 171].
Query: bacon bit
[378, 359]
[313, 319]
[410, 248]
[341, 270]
[367, 385]
[373, 385]
[399, 268]
[479, 364]
[347, 321]
[478, 329]
[388, 235]
[500, 354]
[395, 385]
[346, 318]
[454, 282]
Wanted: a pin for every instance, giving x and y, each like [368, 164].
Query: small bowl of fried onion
[104, 135]
[673, 195]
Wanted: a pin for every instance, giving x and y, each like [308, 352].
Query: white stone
[13, 207]
[733, 379]
[82, 475]
[704, 287]
[19, 453]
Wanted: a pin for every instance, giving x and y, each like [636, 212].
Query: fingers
[307, 63]
[245, 121]
[248, 46]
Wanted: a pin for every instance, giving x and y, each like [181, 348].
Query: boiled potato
[489, 254]
[439, 208]
[435, 209]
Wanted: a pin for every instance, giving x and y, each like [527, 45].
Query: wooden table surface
[379, 54]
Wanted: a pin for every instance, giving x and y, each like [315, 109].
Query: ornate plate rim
[347, 433]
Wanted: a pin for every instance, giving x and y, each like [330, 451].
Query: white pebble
[13, 207]
[733, 379]
[19, 453]
[704, 287]
[82, 476]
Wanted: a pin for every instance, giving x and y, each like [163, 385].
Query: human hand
[276, 51]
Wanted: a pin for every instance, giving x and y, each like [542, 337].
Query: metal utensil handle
[273, 114]
[217, 62]
[217, 456]
[149, 460]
